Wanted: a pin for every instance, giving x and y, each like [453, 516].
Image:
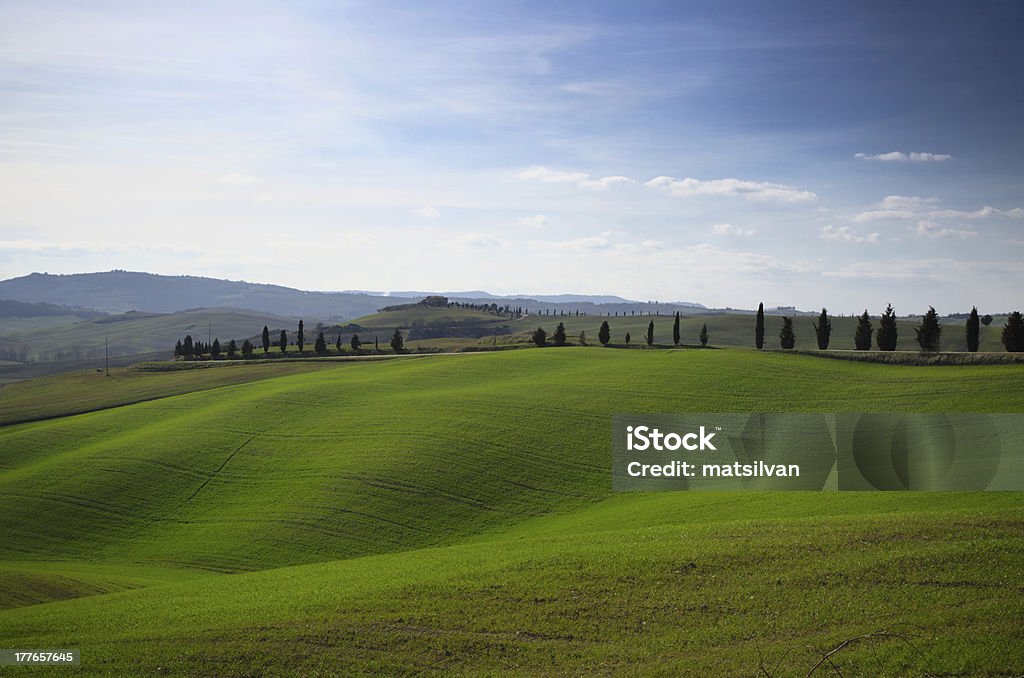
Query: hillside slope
[454, 514]
[135, 333]
[365, 458]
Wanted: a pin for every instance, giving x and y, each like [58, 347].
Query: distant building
[437, 301]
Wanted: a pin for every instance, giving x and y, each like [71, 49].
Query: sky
[810, 154]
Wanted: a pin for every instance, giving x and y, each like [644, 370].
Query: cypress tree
[627, 338]
[704, 335]
[337, 344]
[177, 349]
[246, 349]
[397, 342]
[1013, 332]
[283, 341]
[266, 339]
[787, 339]
[540, 337]
[675, 330]
[604, 335]
[929, 332]
[862, 338]
[650, 333]
[300, 340]
[973, 329]
[215, 349]
[759, 327]
[232, 348]
[823, 330]
[320, 346]
[355, 343]
[559, 336]
[886, 337]
[187, 348]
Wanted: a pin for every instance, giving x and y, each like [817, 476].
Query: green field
[135, 333]
[453, 514]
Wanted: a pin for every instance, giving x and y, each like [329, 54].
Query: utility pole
[106, 354]
[209, 333]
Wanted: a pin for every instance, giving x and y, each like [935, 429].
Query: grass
[87, 391]
[453, 514]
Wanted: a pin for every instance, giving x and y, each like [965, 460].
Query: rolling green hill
[454, 514]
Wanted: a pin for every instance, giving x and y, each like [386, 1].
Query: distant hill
[121, 291]
[135, 333]
[21, 309]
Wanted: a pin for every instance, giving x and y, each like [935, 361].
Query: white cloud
[536, 221]
[605, 182]
[581, 179]
[752, 190]
[846, 234]
[894, 202]
[428, 212]
[984, 212]
[729, 229]
[929, 220]
[900, 156]
[550, 176]
[931, 229]
[237, 179]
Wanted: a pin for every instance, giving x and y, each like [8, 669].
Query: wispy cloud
[729, 229]
[846, 234]
[581, 179]
[536, 221]
[929, 220]
[900, 156]
[751, 190]
[428, 212]
[982, 213]
[931, 229]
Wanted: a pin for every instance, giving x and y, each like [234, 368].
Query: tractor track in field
[220, 468]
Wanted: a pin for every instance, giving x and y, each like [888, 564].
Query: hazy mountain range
[121, 291]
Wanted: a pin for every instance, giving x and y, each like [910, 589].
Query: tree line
[604, 335]
[927, 334]
[189, 348]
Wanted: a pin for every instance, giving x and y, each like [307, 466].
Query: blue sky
[803, 154]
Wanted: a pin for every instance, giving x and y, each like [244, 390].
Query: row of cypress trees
[189, 348]
[928, 333]
[604, 335]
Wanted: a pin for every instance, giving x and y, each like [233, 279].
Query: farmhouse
[436, 301]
